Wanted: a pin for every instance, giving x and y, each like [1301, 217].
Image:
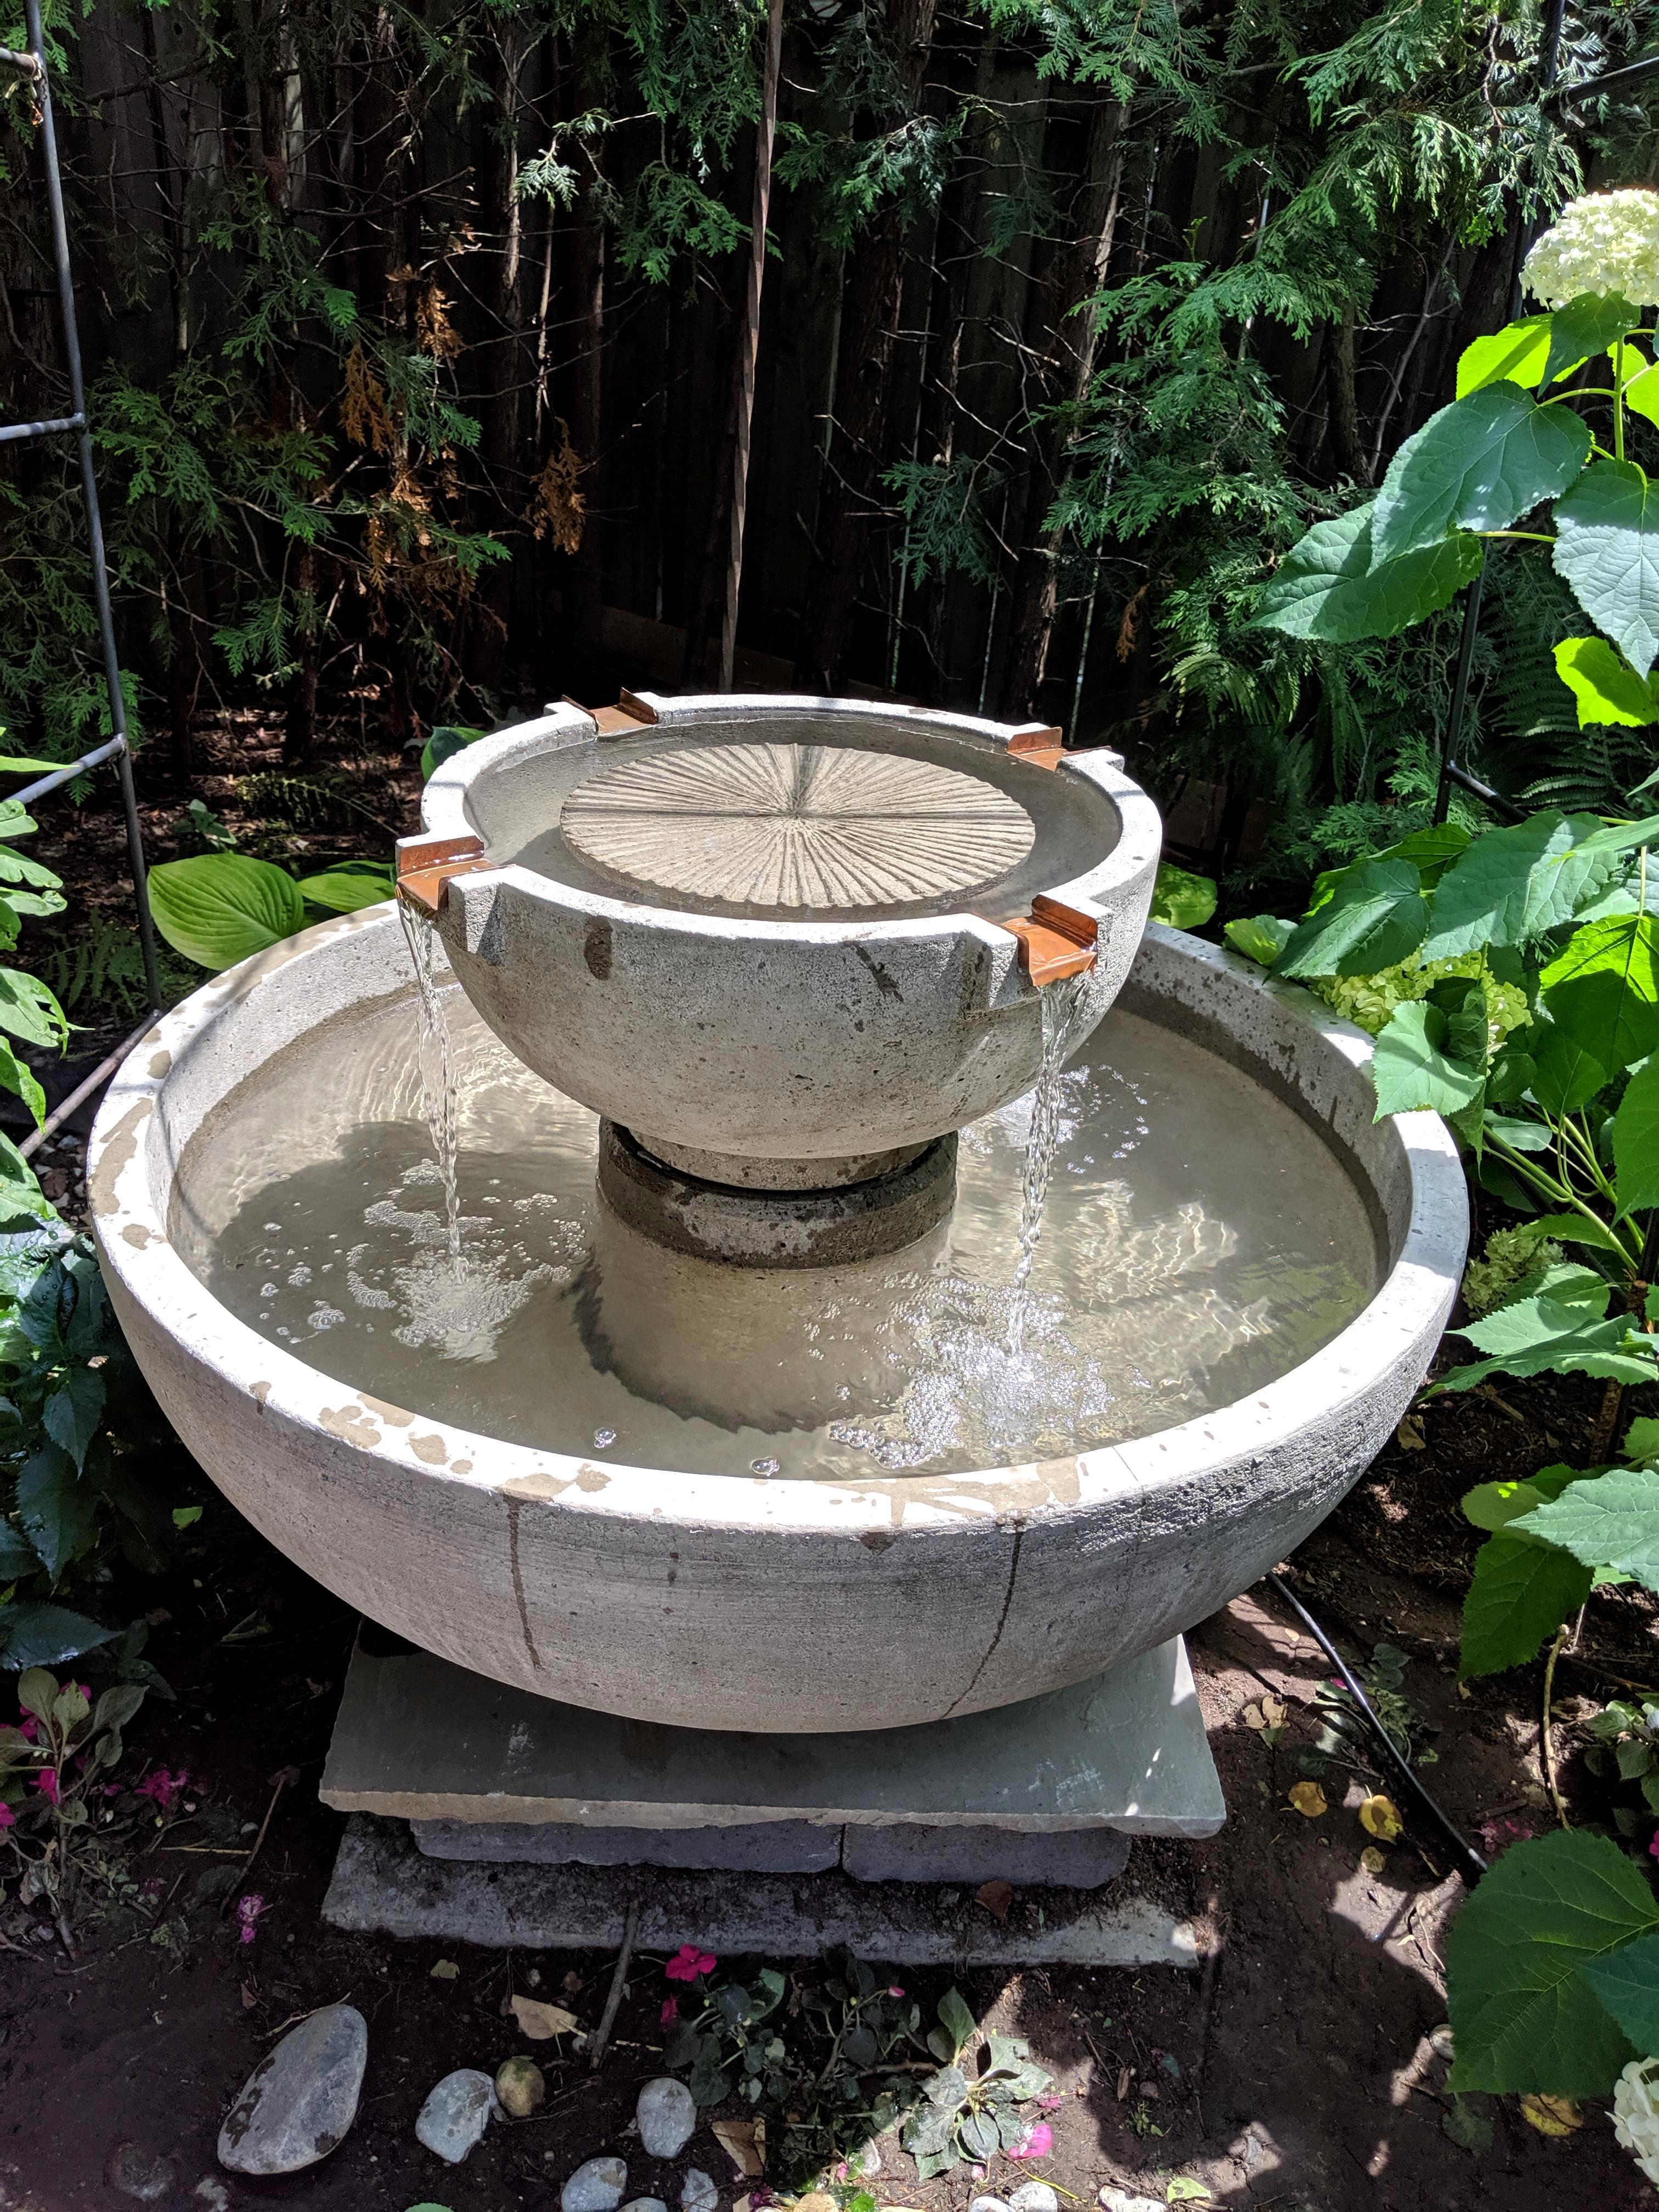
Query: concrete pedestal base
[790, 1843]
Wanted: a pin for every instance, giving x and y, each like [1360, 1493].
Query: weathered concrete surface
[706, 1600]
[420, 1740]
[382, 1885]
[746, 1032]
[1071, 1858]
[758, 1847]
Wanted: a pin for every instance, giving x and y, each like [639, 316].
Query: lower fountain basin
[842, 1592]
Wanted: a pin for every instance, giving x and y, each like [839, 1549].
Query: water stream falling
[1059, 1006]
[437, 1065]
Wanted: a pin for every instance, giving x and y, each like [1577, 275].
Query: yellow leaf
[1410, 1436]
[1253, 1717]
[542, 2021]
[1308, 1798]
[1273, 1712]
[1552, 2116]
[1379, 1816]
[737, 2138]
[1372, 1860]
[446, 1970]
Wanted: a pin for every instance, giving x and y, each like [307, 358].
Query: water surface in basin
[1199, 1240]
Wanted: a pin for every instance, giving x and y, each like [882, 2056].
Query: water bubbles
[299, 1279]
[603, 1438]
[268, 1290]
[326, 1316]
[767, 1466]
[273, 1228]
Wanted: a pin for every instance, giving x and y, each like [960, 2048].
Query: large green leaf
[1523, 2015]
[1260, 937]
[56, 1509]
[1517, 352]
[1607, 546]
[74, 1410]
[1412, 1068]
[20, 1079]
[1613, 1521]
[1514, 884]
[1588, 325]
[1603, 989]
[220, 908]
[1608, 691]
[1478, 464]
[1375, 917]
[1565, 1077]
[1182, 900]
[1431, 851]
[1494, 1505]
[33, 1635]
[347, 890]
[21, 1194]
[1331, 586]
[1562, 1329]
[1627, 1983]
[1635, 1141]
[1521, 1593]
[448, 739]
[28, 1010]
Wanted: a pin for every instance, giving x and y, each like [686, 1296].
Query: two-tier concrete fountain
[748, 1483]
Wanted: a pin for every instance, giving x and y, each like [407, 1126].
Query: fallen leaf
[1410, 1436]
[1185, 2191]
[996, 1897]
[1379, 1816]
[1308, 1798]
[539, 2021]
[1275, 1712]
[1124, 2079]
[1253, 1717]
[737, 2139]
[1372, 1860]
[248, 1998]
[445, 1970]
[1552, 2116]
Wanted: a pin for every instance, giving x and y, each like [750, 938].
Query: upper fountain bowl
[783, 941]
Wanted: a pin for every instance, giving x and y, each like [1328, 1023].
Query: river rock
[667, 2118]
[301, 2097]
[144, 2175]
[520, 2086]
[1034, 2197]
[645, 2204]
[1119, 2200]
[988, 2204]
[454, 2117]
[697, 2192]
[596, 2187]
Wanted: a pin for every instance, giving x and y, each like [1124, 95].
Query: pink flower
[689, 1964]
[248, 1909]
[1050, 2104]
[29, 1730]
[1653, 1848]
[8, 1818]
[46, 1783]
[162, 1788]
[1038, 2144]
[896, 1991]
[670, 2012]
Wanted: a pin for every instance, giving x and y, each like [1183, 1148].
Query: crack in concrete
[513, 1510]
[1002, 1622]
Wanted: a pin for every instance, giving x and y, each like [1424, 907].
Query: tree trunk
[504, 363]
[1347, 443]
[584, 583]
[875, 283]
[1064, 380]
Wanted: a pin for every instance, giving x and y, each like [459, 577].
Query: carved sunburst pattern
[796, 825]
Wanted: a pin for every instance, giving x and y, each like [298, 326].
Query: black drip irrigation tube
[1470, 1864]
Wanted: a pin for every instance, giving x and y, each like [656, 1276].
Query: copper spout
[629, 713]
[1056, 941]
[1041, 744]
[425, 865]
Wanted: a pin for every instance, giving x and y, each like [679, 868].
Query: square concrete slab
[382, 1885]
[758, 1847]
[418, 1739]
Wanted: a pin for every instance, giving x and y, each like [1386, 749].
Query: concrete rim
[1241, 1484]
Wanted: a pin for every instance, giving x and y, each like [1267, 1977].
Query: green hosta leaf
[1635, 1141]
[1607, 546]
[28, 1010]
[1375, 917]
[1181, 900]
[1330, 585]
[33, 1635]
[21, 1196]
[1603, 990]
[1613, 1521]
[446, 741]
[1513, 884]
[56, 1508]
[1260, 938]
[220, 907]
[1565, 1077]
[1607, 688]
[1627, 1983]
[1413, 1070]
[1517, 352]
[345, 890]
[1588, 325]
[1477, 464]
[1520, 1593]
[1523, 2015]
[19, 1078]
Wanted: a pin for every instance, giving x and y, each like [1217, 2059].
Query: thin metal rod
[748, 337]
[67, 774]
[117, 712]
[100, 1074]
[12, 433]
[26, 63]
[1591, 85]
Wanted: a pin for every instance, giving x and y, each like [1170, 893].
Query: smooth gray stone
[1071, 1858]
[1034, 2197]
[988, 2204]
[300, 2099]
[144, 2175]
[213, 2193]
[645, 2204]
[418, 1739]
[382, 1884]
[596, 2186]
[453, 2119]
[667, 2116]
[761, 1847]
[697, 2191]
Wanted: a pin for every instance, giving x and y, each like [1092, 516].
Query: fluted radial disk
[796, 825]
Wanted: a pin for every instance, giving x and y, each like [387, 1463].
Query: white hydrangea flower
[1636, 2113]
[1607, 242]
